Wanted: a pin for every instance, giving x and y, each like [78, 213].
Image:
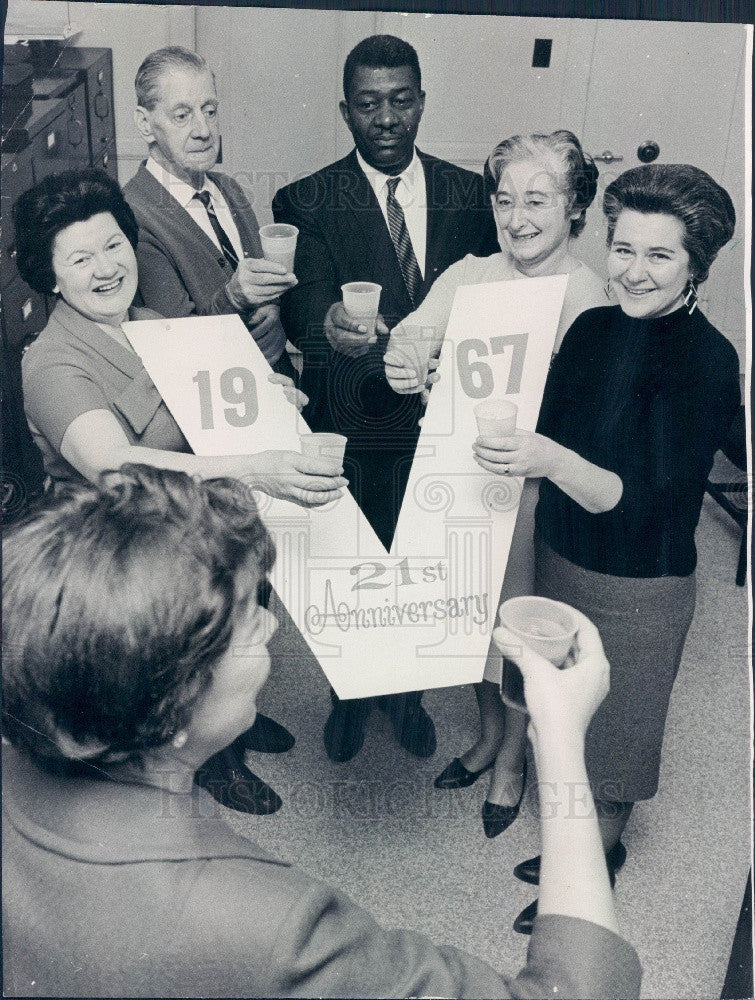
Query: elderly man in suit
[199, 247]
[390, 214]
[199, 253]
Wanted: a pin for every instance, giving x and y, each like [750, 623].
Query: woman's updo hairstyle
[54, 204]
[703, 207]
[576, 172]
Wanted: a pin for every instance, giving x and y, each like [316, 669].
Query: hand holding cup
[547, 627]
[519, 453]
[324, 445]
[562, 702]
[257, 281]
[351, 326]
[409, 365]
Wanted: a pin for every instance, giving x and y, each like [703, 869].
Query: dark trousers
[284, 366]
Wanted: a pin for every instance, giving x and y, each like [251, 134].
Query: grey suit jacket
[112, 889]
[181, 271]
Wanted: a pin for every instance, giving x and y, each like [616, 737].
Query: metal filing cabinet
[73, 130]
[43, 132]
[22, 316]
[95, 68]
[15, 176]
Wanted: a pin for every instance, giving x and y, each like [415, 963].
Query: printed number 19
[245, 407]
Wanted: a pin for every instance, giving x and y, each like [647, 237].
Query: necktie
[402, 242]
[225, 244]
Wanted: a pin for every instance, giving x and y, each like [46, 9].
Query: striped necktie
[225, 244]
[402, 242]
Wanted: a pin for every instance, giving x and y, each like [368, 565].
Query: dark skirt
[643, 623]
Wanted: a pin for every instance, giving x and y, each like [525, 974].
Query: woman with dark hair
[541, 187]
[639, 398]
[91, 405]
[134, 649]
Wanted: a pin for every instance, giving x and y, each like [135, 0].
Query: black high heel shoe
[495, 818]
[457, 776]
[526, 919]
[529, 871]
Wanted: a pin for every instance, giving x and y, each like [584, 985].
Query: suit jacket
[181, 271]
[114, 889]
[343, 237]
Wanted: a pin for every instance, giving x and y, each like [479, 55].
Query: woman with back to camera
[120, 879]
[541, 187]
[639, 398]
[91, 405]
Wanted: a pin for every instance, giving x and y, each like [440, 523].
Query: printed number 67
[476, 376]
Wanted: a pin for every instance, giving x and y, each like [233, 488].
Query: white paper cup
[323, 446]
[361, 300]
[496, 417]
[279, 243]
[549, 627]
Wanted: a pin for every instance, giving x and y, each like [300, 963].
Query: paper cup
[279, 243]
[547, 626]
[361, 300]
[496, 417]
[323, 446]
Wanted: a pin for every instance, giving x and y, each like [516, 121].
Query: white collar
[181, 191]
[411, 176]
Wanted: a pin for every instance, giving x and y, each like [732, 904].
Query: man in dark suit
[393, 215]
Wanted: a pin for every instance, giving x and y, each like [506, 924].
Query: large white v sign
[421, 616]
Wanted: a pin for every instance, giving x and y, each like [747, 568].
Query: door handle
[608, 157]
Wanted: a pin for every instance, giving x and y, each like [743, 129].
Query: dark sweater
[651, 400]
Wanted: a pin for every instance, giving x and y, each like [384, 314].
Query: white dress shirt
[184, 195]
[411, 194]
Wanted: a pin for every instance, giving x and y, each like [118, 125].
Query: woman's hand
[287, 475]
[292, 394]
[402, 373]
[523, 453]
[95, 442]
[561, 702]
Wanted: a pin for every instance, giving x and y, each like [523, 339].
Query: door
[676, 85]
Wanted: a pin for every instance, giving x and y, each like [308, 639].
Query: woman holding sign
[639, 398]
[90, 404]
[541, 187]
[92, 407]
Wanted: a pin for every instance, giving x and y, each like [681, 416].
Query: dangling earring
[689, 296]
[607, 290]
